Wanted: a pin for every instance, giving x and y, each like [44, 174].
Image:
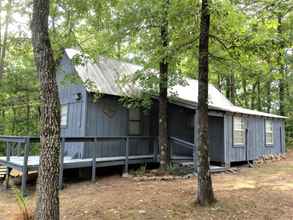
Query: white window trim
[64, 107]
[237, 129]
[269, 132]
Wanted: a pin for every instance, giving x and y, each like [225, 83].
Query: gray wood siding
[233, 153]
[76, 109]
[216, 139]
[255, 144]
[108, 117]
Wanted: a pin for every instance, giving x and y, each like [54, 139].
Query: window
[134, 122]
[269, 132]
[238, 131]
[64, 113]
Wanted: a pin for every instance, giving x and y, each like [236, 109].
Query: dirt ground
[252, 193]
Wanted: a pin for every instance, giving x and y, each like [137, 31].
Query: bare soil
[265, 193]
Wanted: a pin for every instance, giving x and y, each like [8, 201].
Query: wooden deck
[17, 162]
[25, 162]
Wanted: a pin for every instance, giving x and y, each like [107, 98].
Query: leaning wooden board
[2, 171]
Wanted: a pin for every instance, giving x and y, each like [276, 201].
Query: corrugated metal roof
[105, 72]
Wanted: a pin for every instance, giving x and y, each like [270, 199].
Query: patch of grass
[140, 171]
[176, 170]
[25, 212]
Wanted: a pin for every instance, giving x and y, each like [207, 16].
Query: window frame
[271, 132]
[242, 120]
[61, 112]
[139, 133]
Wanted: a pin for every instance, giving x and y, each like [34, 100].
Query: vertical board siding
[216, 139]
[107, 117]
[75, 118]
[255, 145]
[236, 153]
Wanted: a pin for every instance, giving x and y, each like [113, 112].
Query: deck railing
[23, 147]
[26, 141]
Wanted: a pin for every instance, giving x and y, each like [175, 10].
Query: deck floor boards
[33, 161]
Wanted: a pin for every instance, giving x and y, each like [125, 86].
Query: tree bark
[5, 36]
[244, 85]
[259, 102]
[163, 99]
[47, 188]
[205, 194]
[268, 86]
[281, 69]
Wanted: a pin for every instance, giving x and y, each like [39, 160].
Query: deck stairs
[186, 163]
[189, 166]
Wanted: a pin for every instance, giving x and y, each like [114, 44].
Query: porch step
[190, 165]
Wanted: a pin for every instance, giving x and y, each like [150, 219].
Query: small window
[269, 132]
[238, 131]
[64, 113]
[134, 123]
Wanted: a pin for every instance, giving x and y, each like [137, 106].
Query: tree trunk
[259, 103]
[230, 87]
[163, 99]
[244, 85]
[47, 188]
[5, 36]
[253, 96]
[281, 65]
[268, 88]
[205, 194]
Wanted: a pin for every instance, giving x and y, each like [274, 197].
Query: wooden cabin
[235, 133]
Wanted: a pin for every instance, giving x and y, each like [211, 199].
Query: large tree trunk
[47, 188]
[205, 194]
[163, 99]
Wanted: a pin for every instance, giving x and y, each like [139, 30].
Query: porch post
[195, 142]
[94, 162]
[25, 168]
[7, 168]
[155, 149]
[61, 159]
[126, 157]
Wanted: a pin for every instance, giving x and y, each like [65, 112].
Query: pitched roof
[105, 72]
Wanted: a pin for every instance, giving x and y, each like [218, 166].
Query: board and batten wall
[255, 146]
[76, 108]
[106, 116]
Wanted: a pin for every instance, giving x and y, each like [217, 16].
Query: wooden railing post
[25, 168]
[94, 161]
[8, 151]
[18, 151]
[126, 157]
[155, 149]
[171, 149]
[61, 161]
